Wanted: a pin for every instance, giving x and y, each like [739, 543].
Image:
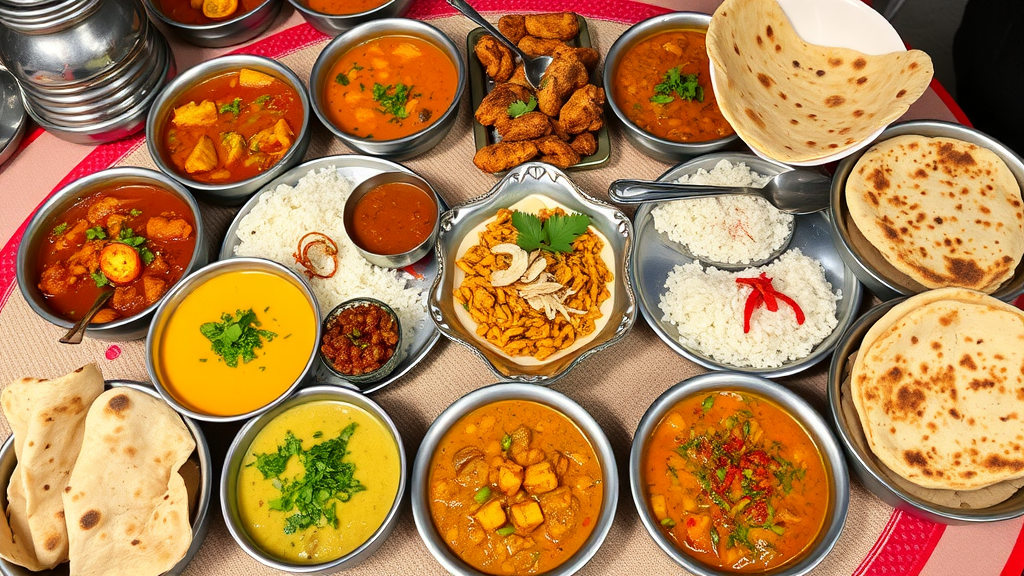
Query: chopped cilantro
[392, 98]
[95, 233]
[318, 434]
[235, 107]
[518, 108]
[686, 87]
[60, 228]
[262, 100]
[506, 442]
[356, 66]
[556, 234]
[128, 236]
[135, 212]
[100, 279]
[342, 78]
[236, 336]
[146, 255]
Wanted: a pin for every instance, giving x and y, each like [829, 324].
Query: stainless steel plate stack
[88, 69]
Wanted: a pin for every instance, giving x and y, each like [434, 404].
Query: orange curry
[393, 218]
[345, 6]
[389, 87]
[735, 482]
[202, 12]
[663, 85]
[515, 488]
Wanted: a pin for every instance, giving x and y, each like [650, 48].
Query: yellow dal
[371, 448]
[212, 387]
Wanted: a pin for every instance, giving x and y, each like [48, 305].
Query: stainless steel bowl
[182, 289]
[380, 373]
[227, 32]
[869, 470]
[651, 145]
[392, 260]
[399, 148]
[497, 393]
[46, 217]
[521, 182]
[880, 279]
[233, 193]
[334, 24]
[801, 411]
[233, 462]
[12, 115]
[200, 515]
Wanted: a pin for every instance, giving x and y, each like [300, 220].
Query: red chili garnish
[412, 272]
[764, 293]
[326, 244]
[753, 301]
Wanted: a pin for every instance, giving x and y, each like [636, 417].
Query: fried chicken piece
[557, 130]
[584, 144]
[495, 105]
[556, 152]
[529, 126]
[596, 125]
[558, 25]
[504, 155]
[519, 77]
[582, 109]
[513, 26]
[588, 56]
[565, 75]
[534, 46]
[496, 57]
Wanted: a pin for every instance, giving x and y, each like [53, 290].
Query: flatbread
[939, 388]
[799, 102]
[942, 211]
[47, 418]
[126, 503]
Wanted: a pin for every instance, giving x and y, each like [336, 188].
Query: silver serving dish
[234, 30]
[46, 217]
[801, 411]
[655, 256]
[12, 115]
[651, 145]
[489, 395]
[182, 289]
[357, 169]
[334, 24]
[200, 515]
[521, 182]
[879, 279]
[399, 148]
[231, 193]
[236, 454]
[869, 470]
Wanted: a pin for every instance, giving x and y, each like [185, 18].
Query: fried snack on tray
[534, 46]
[519, 77]
[582, 110]
[558, 25]
[526, 127]
[513, 26]
[504, 155]
[495, 105]
[496, 57]
[588, 56]
[584, 144]
[564, 75]
[506, 319]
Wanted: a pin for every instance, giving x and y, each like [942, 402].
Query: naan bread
[942, 211]
[47, 419]
[798, 102]
[939, 388]
[126, 503]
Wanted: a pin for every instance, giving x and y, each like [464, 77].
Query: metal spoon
[74, 336]
[534, 67]
[794, 192]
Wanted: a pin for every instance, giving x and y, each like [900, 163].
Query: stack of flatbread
[97, 479]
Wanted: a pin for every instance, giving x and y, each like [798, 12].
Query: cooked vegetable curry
[393, 218]
[136, 239]
[389, 87]
[232, 127]
[345, 6]
[515, 488]
[203, 12]
[360, 340]
[663, 85]
[736, 482]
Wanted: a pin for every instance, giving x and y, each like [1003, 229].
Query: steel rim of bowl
[185, 286]
[255, 425]
[87, 185]
[192, 77]
[797, 408]
[498, 392]
[306, 10]
[153, 9]
[385, 369]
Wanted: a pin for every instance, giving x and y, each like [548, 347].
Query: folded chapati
[939, 389]
[126, 504]
[47, 418]
[798, 102]
[942, 211]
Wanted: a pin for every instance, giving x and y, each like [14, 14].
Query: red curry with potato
[203, 12]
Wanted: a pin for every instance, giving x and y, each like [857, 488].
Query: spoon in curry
[794, 192]
[74, 336]
[533, 67]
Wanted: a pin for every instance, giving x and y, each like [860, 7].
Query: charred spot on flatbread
[118, 404]
[90, 519]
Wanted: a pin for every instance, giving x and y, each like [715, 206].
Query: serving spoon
[534, 67]
[74, 336]
[793, 192]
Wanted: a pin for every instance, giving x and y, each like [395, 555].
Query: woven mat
[616, 386]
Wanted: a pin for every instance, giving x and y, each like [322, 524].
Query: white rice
[316, 204]
[706, 305]
[728, 229]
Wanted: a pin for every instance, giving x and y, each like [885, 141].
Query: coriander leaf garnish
[342, 78]
[100, 279]
[236, 336]
[60, 228]
[556, 234]
[263, 99]
[685, 86]
[530, 229]
[128, 236]
[235, 107]
[392, 98]
[518, 108]
[95, 233]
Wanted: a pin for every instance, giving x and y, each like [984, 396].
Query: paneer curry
[136, 239]
[515, 488]
[736, 482]
[232, 127]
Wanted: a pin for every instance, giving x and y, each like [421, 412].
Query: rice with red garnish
[707, 305]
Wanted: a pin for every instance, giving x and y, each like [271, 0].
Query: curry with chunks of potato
[136, 239]
[232, 127]
[515, 488]
[736, 482]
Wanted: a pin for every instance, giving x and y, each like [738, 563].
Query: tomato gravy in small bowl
[392, 219]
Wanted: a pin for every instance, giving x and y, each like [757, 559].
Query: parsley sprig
[556, 234]
[235, 336]
[518, 108]
[686, 87]
[392, 98]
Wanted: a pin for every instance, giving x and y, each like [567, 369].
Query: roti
[942, 211]
[799, 102]
[939, 389]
